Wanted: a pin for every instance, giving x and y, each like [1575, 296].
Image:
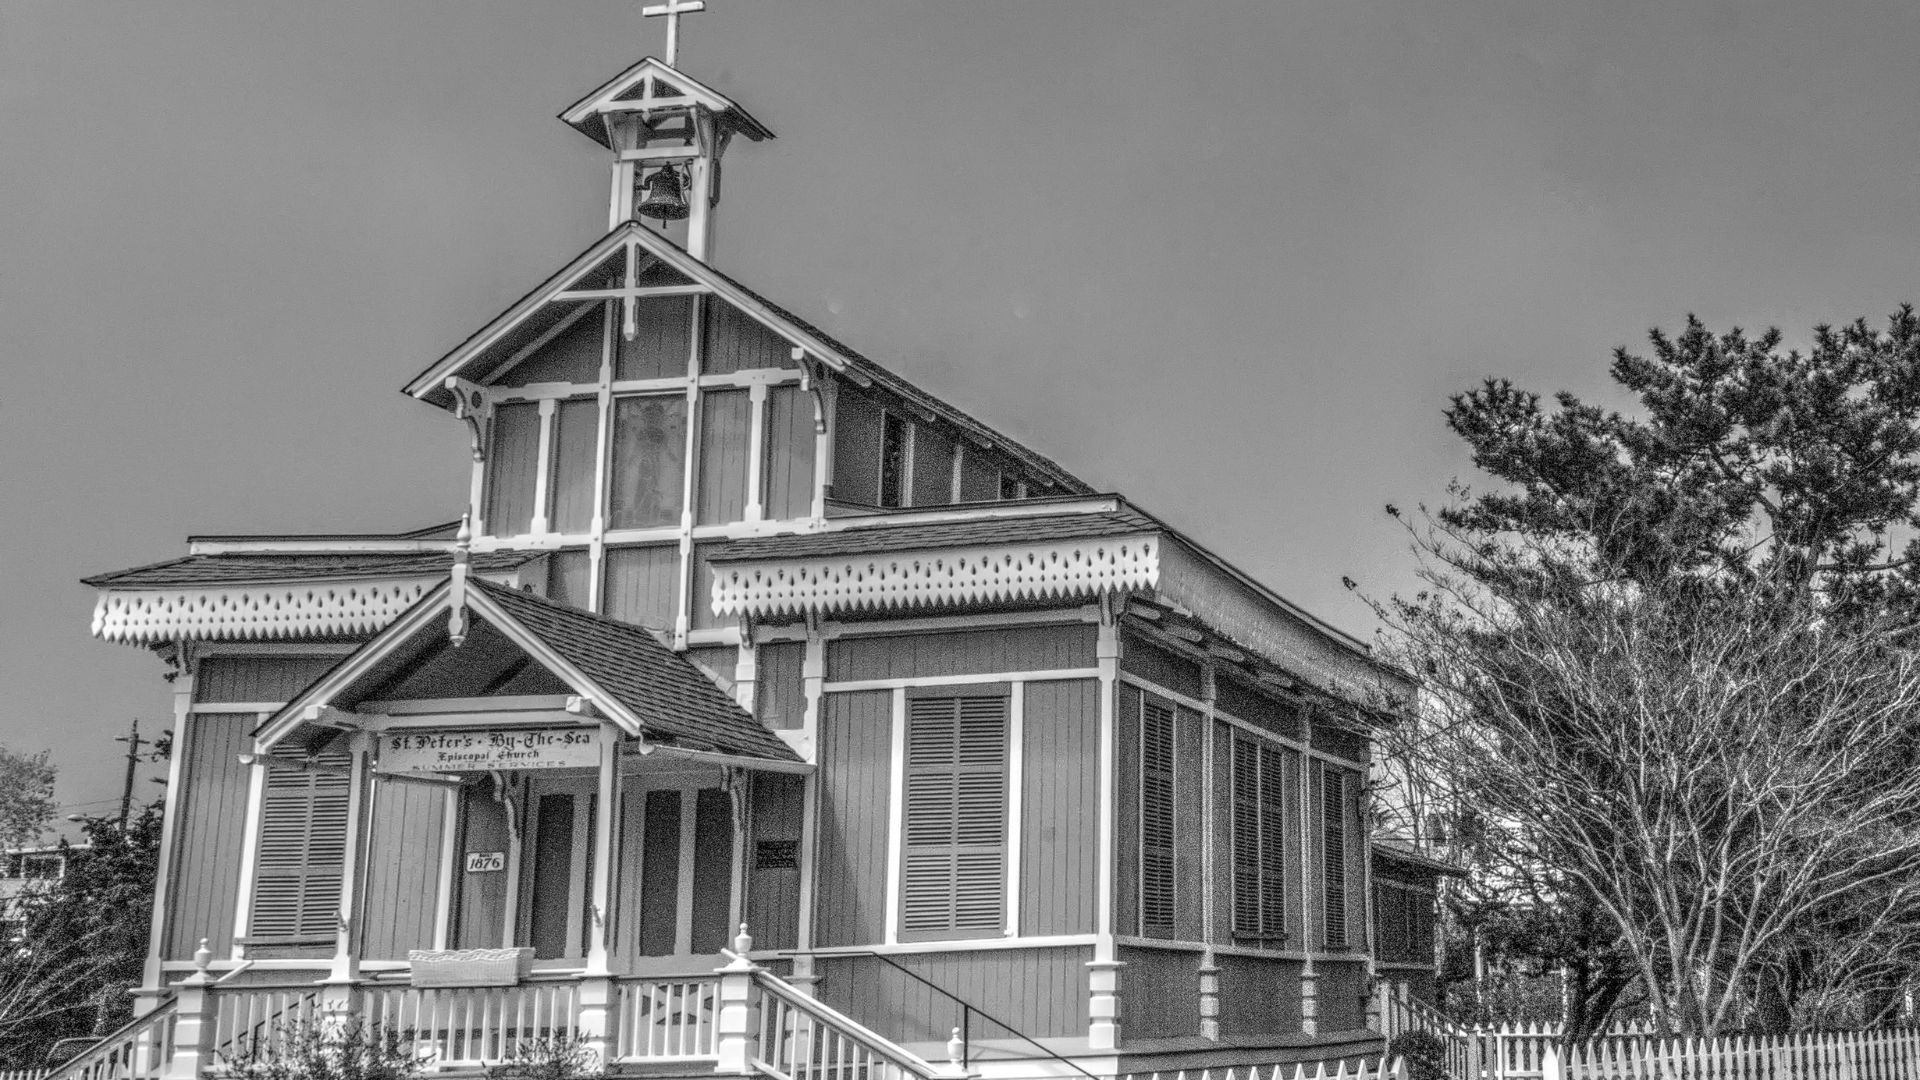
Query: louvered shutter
[953, 868]
[1259, 841]
[1333, 849]
[1156, 819]
[302, 851]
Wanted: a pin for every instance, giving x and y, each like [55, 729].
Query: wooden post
[193, 1021]
[734, 1021]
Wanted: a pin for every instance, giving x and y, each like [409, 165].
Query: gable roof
[642, 686]
[585, 115]
[534, 313]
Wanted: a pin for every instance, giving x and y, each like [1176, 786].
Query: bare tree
[1719, 771]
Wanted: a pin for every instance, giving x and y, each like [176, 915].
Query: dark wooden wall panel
[257, 678]
[1223, 833]
[1342, 988]
[1060, 807]
[204, 877]
[736, 342]
[662, 342]
[1126, 806]
[1042, 993]
[1190, 838]
[780, 688]
[1265, 711]
[1159, 993]
[725, 420]
[773, 892]
[407, 833]
[788, 484]
[480, 910]
[856, 734]
[1258, 996]
[1350, 745]
[513, 455]
[856, 447]
[576, 433]
[971, 652]
[571, 357]
[932, 467]
[643, 585]
[979, 476]
[1160, 666]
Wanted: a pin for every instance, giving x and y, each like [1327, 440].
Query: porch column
[1103, 972]
[596, 988]
[346, 945]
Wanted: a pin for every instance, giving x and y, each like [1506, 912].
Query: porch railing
[666, 1019]
[139, 1050]
[468, 1026]
[802, 1038]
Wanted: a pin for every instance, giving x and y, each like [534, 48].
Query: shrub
[564, 1058]
[350, 1049]
[1424, 1052]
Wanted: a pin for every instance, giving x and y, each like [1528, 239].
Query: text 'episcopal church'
[1001, 774]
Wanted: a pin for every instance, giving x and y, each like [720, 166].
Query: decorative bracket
[470, 404]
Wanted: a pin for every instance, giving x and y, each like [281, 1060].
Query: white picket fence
[1634, 1052]
[1361, 1070]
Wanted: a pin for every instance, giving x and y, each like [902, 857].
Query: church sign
[474, 751]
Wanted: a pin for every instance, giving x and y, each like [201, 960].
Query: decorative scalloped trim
[985, 574]
[257, 612]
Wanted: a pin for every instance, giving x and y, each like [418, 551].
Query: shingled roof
[662, 688]
[875, 539]
[254, 569]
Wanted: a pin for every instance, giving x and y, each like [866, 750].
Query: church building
[764, 714]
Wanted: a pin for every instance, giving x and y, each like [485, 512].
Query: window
[1333, 853]
[649, 465]
[303, 850]
[893, 459]
[513, 449]
[954, 862]
[1156, 818]
[1259, 841]
[42, 867]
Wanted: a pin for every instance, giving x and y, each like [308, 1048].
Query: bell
[664, 199]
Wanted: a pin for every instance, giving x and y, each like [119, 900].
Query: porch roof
[875, 539]
[659, 687]
[254, 569]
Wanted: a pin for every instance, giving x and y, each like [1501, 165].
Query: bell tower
[667, 132]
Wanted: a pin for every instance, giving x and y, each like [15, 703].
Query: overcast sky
[1227, 257]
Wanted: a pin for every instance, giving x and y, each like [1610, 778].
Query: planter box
[469, 967]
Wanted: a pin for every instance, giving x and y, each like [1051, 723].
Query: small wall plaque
[486, 862]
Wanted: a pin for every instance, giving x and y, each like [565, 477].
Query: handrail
[967, 1009]
[879, 1044]
[117, 1039]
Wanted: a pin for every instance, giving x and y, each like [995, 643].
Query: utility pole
[134, 742]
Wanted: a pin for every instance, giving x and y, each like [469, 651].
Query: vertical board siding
[736, 342]
[1356, 849]
[1258, 996]
[658, 910]
[1342, 989]
[480, 899]
[773, 893]
[856, 447]
[855, 789]
[1159, 666]
[572, 357]
[1299, 886]
[700, 613]
[787, 491]
[1350, 745]
[1222, 735]
[643, 585]
[1060, 807]
[257, 678]
[576, 432]
[979, 476]
[1242, 702]
[969, 652]
[1126, 812]
[779, 688]
[662, 343]
[404, 842]
[1189, 732]
[513, 453]
[204, 881]
[1041, 993]
[568, 573]
[1160, 993]
[725, 417]
[712, 871]
[932, 467]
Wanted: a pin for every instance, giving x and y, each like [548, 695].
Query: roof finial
[673, 9]
[457, 588]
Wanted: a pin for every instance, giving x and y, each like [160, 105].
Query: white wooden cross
[673, 9]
